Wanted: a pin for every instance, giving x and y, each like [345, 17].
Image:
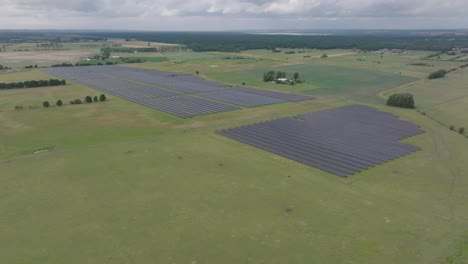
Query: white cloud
[168, 14]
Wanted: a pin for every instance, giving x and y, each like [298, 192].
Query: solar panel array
[283, 96]
[342, 141]
[241, 98]
[149, 87]
[186, 105]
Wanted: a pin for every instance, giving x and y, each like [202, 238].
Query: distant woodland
[237, 41]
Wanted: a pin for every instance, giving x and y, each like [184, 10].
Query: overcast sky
[233, 15]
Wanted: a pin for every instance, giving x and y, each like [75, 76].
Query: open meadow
[118, 182]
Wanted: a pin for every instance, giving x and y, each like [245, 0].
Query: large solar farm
[195, 159]
[175, 93]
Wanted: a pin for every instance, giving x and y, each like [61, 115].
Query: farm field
[119, 182]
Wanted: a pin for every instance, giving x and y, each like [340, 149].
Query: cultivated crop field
[119, 182]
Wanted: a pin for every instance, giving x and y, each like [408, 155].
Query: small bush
[95, 99]
[59, 103]
[45, 104]
[77, 101]
[102, 98]
[243, 83]
[452, 127]
[461, 130]
[88, 99]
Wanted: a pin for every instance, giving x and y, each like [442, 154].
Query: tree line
[32, 84]
[235, 41]
[88, 99]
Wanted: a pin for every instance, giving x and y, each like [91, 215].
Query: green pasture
[323, 80]
[117, 182]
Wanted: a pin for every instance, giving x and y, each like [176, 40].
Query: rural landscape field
[116, 181]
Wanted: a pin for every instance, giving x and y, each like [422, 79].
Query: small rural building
[283, 80]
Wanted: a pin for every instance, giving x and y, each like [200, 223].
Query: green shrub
[461, 130]
[88, 99]
[102, 98]
[45, 104]
[59, 103]
[452, 127]
[95, 99]
[77, 101]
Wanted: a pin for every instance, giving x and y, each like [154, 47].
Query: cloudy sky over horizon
[232, 15]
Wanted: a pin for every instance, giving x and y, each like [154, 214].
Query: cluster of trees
[270, 76]
[88, 99]
[403, 100]
[4, 67]
[32, 84]
[461, 130]
[437, 74]
[30, 66]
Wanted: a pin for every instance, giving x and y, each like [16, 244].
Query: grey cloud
[264, 12]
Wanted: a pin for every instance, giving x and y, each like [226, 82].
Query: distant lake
[290, 33]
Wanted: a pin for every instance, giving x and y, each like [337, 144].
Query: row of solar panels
[342, 141]
[192, 95]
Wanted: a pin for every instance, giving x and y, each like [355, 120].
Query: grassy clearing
[25, 75]
[444, 99]
[119, 182]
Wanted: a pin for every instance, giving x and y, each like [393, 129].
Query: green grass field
[118, 182]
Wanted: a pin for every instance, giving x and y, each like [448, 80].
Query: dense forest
[238, 41]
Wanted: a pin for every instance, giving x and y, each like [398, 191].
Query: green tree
[102, 98]
[280, 75]
[59, 103]
[45, 104]
[461, 130]
[106, 52]
[95, 99]
[324, 56]
[77, 101]
[269, 76]
[296, 76]
[88, 99]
